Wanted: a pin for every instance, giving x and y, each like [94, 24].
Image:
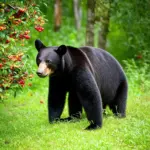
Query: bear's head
[49, 59]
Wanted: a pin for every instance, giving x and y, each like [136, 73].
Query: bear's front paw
[66, 119]
[54, 120]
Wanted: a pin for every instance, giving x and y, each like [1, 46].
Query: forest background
[120, 27]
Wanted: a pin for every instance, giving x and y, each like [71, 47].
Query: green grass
[24, 126]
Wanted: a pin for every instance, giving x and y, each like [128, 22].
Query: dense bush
[129, 26]
[16, 20]
[138, 74]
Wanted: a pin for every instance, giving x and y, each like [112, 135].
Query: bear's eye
[47, 61]
[38, 61]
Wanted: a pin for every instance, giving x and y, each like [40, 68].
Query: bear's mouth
[44, 71]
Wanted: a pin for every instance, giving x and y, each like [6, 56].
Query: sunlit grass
[24, 126]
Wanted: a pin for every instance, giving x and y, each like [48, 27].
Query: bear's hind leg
[75, 107]
[120, 100]
[104, 109]
[113, 107]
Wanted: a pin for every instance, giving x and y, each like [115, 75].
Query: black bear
[93, 78]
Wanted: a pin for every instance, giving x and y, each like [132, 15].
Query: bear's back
[108, 72]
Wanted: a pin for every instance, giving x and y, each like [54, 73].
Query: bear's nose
[39, 73]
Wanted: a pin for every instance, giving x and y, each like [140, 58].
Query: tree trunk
[102, 41]
[104, 6]
[77, 13]
[57, 15]
[90, 22]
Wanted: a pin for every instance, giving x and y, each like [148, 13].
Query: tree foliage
[132, 19]
[15, 23]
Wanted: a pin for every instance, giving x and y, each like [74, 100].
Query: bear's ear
[61, 50]
[39, 45]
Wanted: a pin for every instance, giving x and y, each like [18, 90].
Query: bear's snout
[43, 70]
[39, 74]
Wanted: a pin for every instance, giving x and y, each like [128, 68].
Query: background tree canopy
[125, 24]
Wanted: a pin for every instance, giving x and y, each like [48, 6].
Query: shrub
[16, 20]
[137, 71]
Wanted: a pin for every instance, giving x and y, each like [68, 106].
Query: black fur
[93, 78]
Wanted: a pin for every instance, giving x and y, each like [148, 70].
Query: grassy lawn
[24, 126]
